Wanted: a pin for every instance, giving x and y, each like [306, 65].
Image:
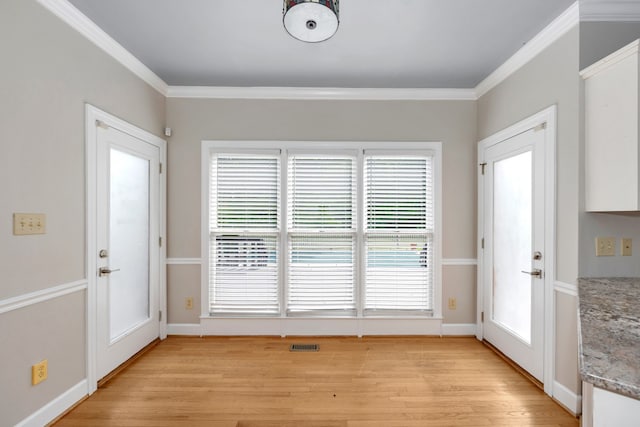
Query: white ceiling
[379, 44]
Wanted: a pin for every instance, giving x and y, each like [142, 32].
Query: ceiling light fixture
[311, 20]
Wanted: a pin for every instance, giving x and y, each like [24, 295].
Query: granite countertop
[609, 333]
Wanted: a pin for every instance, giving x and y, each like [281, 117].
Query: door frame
[94, 116]
[546, 117]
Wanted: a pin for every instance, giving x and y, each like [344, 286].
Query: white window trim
[396, 325]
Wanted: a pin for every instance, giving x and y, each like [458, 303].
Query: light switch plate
[29, 223]
[605, 246]
[627, 247]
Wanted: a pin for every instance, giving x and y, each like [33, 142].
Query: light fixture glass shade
[311, 20]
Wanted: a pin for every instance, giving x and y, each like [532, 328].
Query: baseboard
[448, 329]
[56, 407]
[184, 329]
[571, 401]
[458, 329]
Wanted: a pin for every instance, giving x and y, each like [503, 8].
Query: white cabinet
[602, 408]
[612, 155]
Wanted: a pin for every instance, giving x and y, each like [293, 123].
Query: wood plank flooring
[350, 382]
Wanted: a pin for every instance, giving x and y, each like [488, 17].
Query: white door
[514, 256]
[128, 226]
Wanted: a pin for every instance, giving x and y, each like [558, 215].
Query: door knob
[536, 273]
[103, 271]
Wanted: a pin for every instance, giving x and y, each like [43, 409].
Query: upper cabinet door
[612, 155]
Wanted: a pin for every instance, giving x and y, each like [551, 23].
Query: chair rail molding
[184, 261]
[459, 261]
[565, 288]
[36, 297]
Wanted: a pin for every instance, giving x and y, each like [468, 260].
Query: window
[321, 234]
[398, 233]
[347, 232]
[244, 224]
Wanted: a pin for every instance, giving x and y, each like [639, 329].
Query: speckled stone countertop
[609, 333]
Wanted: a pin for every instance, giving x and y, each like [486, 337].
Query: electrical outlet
[605, 246]
[188, 303]
[39, 372]
[453, 304]
[627, 247]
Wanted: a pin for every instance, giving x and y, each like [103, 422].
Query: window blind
[398, 273]
[321, 234]
[321, 274]
[244, 191]
[244, 223]
[398, 193]
[322, 192]
[398, 234]
[245, 274]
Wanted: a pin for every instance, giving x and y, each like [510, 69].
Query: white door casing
[534, 135]
[110, 343]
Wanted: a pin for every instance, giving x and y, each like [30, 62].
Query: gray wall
[48, 73]
[194, 120]
[550, 78]
[594, 225]
[597, 40]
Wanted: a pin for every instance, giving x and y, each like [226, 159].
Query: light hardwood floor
[350, 382]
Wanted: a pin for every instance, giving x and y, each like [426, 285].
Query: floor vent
[304, 347]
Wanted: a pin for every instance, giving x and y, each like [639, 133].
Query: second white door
[128, 256]
[514, 243]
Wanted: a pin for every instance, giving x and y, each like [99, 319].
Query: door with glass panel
[513, 270]
[128, 244]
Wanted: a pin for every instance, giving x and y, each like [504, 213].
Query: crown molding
[85, 26]
[552, 32]
[611, 11]
[321, 93]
